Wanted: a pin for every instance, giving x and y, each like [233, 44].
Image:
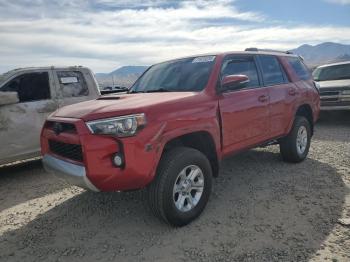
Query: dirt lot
[261, 209]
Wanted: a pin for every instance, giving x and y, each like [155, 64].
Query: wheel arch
[203, 141]
[305, 110]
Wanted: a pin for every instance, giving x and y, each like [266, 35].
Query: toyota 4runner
[170, 131]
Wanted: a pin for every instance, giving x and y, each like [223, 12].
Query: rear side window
[30, 86]
[72, 84]
[271, 70]
[241, 66]
[299, 68]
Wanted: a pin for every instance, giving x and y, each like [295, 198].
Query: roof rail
[254, 49]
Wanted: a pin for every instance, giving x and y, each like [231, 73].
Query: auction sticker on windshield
[204, 59]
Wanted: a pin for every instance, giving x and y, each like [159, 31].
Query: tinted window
[189, 74]
[299, 68]
[72, 84]
[241, 66]
[336, 72]
[271, 70]
[30, 87]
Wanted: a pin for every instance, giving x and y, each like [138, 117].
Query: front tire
[182, 186]
[295, 146]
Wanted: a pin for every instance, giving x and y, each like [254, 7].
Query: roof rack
[254, 49]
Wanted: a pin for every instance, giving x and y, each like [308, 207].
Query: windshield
[2, 78]
[183, 75]
[336, 72]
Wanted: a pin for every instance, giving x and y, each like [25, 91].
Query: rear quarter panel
[307, 93]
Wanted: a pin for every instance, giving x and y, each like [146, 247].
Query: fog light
[118, 160]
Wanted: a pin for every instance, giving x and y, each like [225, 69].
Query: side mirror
[8, 98]
[232, 82]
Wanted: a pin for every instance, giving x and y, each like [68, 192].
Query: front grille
[329, 93]
[330, 99]
[339, 103]
[70, 151]
[62, 127]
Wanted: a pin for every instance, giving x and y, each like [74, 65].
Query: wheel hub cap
[302, 140]
[188, 188]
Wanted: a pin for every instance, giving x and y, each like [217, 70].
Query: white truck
[28, 96]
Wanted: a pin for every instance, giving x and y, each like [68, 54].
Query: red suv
[170, 131]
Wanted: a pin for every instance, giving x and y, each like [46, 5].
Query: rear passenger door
[71, 87]
[244, 111]
[282, 94]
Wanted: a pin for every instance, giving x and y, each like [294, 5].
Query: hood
[118, 105]
[335, 83]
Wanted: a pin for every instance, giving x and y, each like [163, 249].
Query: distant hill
[123, 76]
[323, 53]
[129, 70]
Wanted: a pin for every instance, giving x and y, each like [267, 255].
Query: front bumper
[333, 108]
[72, 173]
[84, 159]
[334, 99]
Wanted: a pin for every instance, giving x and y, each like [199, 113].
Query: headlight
[119, 126]
[346, 92]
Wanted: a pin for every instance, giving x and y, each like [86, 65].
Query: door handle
[292, 92]
[263, 98]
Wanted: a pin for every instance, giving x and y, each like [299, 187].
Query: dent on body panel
[7, 116]
[4, 121]
[8, 105]
[156, 140]
[48, 107]
[20, 129]
[8, 137]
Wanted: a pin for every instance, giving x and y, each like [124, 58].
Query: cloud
[105, 34]
[340, 2]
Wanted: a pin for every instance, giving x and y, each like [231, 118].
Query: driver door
[21, 123]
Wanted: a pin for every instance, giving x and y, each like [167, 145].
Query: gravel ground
[261, 209]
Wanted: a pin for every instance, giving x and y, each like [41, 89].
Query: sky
[106, 34]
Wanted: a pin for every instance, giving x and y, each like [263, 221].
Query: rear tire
[182, 186]
[295, 146]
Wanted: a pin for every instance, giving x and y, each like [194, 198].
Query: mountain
[323, 53]
[123, 76]
[314, 55]
[129, 70]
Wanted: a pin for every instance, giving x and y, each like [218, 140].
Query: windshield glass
[2, 78]
[183, 75]
[336, 72]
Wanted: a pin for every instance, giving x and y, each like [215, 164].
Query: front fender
[166, 134]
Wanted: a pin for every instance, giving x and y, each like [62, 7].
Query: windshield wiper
[134, 92]
[150, 91]
[158, 90]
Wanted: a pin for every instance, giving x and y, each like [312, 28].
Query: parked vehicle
[28, 96]
[178, 121]
[334, 83]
